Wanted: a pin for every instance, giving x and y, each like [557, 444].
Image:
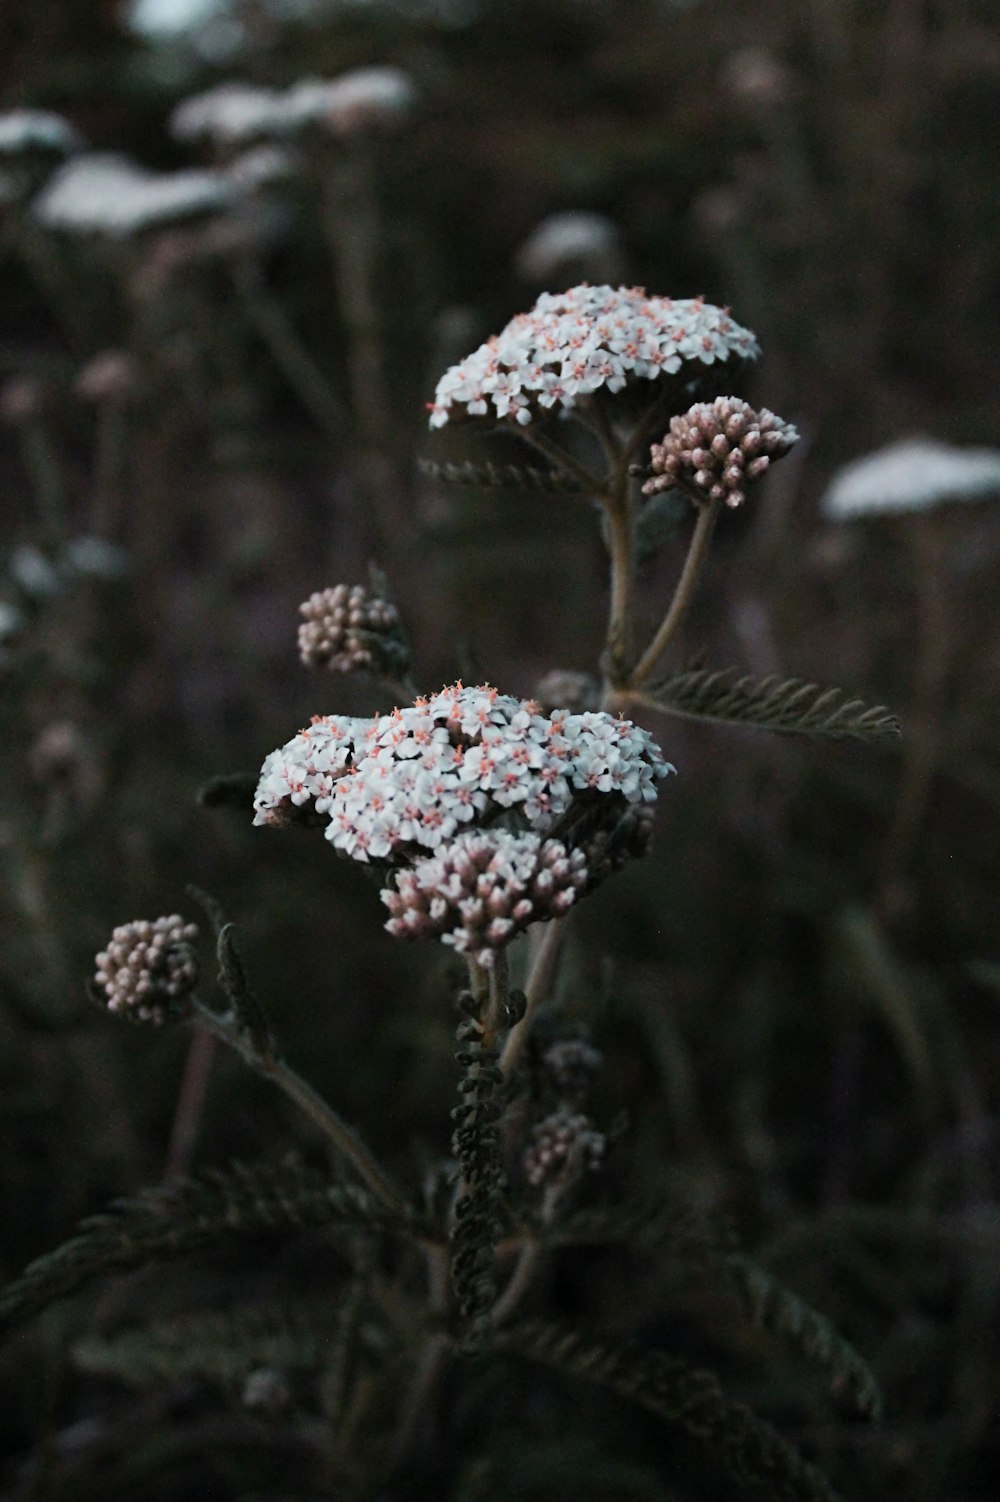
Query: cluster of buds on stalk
[715, 450]
[148, 971]
[350, 629]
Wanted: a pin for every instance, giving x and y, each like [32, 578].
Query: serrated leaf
[787, 705]
[172, 1220]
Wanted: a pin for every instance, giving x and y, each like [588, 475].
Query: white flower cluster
[589, 242]
[148, 969]
[916, 474]
[484, 888]
[23, 131]
[574, 343]
[101, 193]
[414, 777]
[493, 815]
[233, 114]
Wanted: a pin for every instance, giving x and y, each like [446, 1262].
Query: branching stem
[683, 594]
[538, 987]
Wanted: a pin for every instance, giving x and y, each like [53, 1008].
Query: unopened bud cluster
[348, 629]
[717, 449]
[148, 970]
[483, 889]
[571, 1067]
[562, 1146]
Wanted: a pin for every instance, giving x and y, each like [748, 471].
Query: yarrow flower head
[916, 474]
[589, 339]
[27, 131]
[420, 781]
[349, 629]
[100, 193]
[148, 972]
[590, 244]
[717, 449]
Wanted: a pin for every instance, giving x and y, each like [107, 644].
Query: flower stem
[537, 989]
[589, 483]
[343, 1138]
[683, 594]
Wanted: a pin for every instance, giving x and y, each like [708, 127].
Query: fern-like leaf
[750, 1449]
[500, 476]
[775, 1308]
[477, 1147]
[784, 704]
[162, 1223]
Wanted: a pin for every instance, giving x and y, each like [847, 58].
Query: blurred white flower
[574, 343]
[231, 114]
[359, 100]
[587, 245]
[101, 193]
[915, 474]
[23, 131]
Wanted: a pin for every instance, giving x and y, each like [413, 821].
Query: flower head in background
[230, 115]
[490, 814]
[588, 339]
[716, 449]
[30, 132]
[575, 243]
[562, 1147]
[100, 193]
[148, 971]
[348, 630]
[354, 103]
[916, 474]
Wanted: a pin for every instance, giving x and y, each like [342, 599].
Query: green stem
[346, 1142]
[588, 483]
[683, 594]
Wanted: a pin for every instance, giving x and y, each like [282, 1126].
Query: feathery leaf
[773, 703]
[750, 1449]
[499, 476]
[172, 1220]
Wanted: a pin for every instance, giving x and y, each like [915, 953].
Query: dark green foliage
[219, 1347]
[230, 790]
[167, 1222]
[746, 1445]
[476, 1144]
[772, 703]
[775, 1308]
[487, 476]
[247, 1009]
[658, 521]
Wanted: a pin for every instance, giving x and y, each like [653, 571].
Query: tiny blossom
[104, 194]
[301, 774]
[584, 241]
[564, 1143]
[916, 474]
[575, 343]
[23, 131]
[348, 629]
[484, 888]
[148, 970]
[718, 448]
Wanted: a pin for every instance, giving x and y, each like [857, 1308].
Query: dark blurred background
[801, 1023]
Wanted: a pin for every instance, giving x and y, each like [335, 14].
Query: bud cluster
[717, 449]
[561, 1147]
[348, 629]
[148, 970]
[571, 1066]
[483, 889]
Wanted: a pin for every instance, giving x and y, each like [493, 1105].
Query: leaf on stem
[170, 1221]
[247, 1009]
[773, 703]
[749, 1448]
[500, 476]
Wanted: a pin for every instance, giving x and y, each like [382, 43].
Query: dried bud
[564, 689]
[349, 630]
[110, 376]
[148, 971]
[562, 1146]
[572, 1066]
[716, 449]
